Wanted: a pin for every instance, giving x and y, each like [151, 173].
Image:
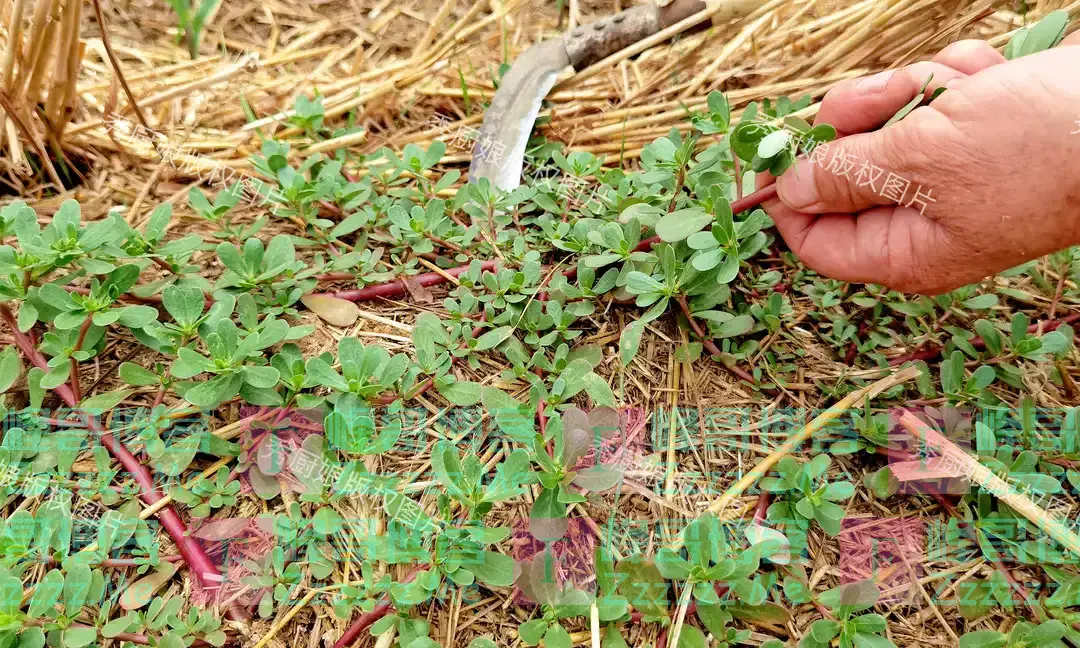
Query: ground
[417, 71]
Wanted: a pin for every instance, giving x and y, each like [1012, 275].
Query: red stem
[336, 276]
[932, 352]
[709, 345]
[194, 555]
[163, 264]
[364, 621]
[397, 287]
[762, 508]
[853, 346]
[159, 397]
[73, 375]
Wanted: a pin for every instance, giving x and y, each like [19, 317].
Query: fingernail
[874, 84]
[797, 188]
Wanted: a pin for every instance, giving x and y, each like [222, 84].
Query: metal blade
[499, 152]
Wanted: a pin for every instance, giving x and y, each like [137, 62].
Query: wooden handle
[590, 43]
[677, 10]
[673, 12]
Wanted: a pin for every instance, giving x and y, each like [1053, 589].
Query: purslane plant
[806, 495]
[531, 265]
[853, 630]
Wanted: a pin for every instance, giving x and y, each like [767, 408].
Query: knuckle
[968, 52]
[926, 149]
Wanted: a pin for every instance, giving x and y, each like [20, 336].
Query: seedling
[853, 629]
[807, 495]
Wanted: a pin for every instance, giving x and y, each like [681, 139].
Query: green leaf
[77, 586]
[47, 594]
[680, 224]
[709, 259]
[461, 392]
[532, 632]
[773, 143]
[57, 297]
[911, 105]
[639, 283]
[327, 521]
[494, 338]
[691, 637]
[715, 618]
[747, 136]
[882, 483]
[493, 568]
[598, 390]
[10, 367]
[547, 519]
[719, 107]
[79, 636]
[872, 623]
[981, 302]
[612, 637]
[1042, 36]
[107, 400]
[507, 412]
[738, 325]
[982, 377]
[983, 639]
[839, 491]
[172, 639]
[671, 565]
[31, 638]
[261, 377]
[28, 316]
[557, 637]
[865, 640]
[824, 630]
[184, 303]
[400, 507]
[34, 379]
[177, 456]
[598, 478]
[137, 376]
[230, 257]
[213, 392]
[629, 341]
[995, 342]
[851, 597]
[1045, 633]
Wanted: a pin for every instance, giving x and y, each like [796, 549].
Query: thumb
[850, 174]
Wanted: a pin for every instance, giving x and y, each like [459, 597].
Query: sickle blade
[499, 152]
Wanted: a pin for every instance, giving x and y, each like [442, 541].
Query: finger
[881, 245]
[861, 105]
[1072, 39]
[849, 174]
[969, 56]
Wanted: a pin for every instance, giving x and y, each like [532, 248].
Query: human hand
[997, 155]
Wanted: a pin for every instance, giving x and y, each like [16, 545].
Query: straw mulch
[410, 71]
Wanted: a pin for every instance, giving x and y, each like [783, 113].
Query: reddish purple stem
[398, 287]
[193, 553]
